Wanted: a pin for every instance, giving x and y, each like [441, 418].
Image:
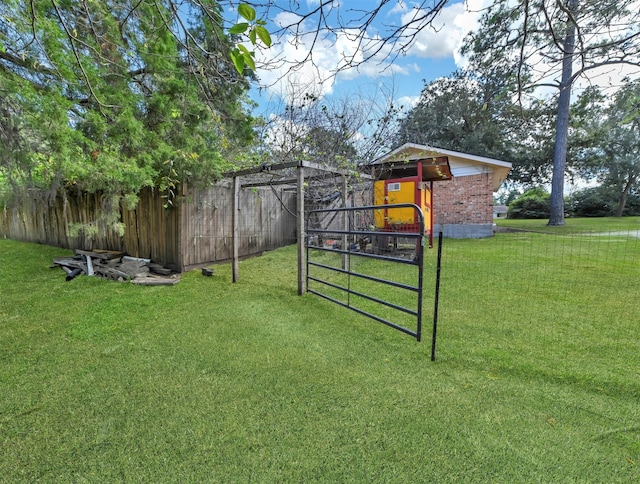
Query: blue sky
[433, 54]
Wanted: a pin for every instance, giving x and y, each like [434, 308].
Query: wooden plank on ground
[100, 254]
[151, 280]
[67, 261]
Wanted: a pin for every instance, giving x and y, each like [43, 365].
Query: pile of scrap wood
[116, 266]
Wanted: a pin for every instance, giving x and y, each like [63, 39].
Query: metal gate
[370, 260]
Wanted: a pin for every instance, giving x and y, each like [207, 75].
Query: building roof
[432, 168]
[462, 164]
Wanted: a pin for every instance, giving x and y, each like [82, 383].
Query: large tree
[457, 113]
[607, 140]
[554, 44]
[116, 95]
[122, 94]
[476, 115]
[337, 132]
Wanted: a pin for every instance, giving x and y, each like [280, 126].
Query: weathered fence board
[196, 231]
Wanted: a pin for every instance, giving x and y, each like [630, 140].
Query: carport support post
[235, 209]
[300, 230]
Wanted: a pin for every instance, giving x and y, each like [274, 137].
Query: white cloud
[399, 7]
[278, 77]
[407, 102]
[443, 39]
[286, 69]
[289, 74]
[349, 48]
[439, 39]
[284, 19]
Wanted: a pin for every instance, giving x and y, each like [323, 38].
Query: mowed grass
[575, 225]
[537, 376]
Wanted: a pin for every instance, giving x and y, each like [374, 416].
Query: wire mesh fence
[566, 280]
[584, 274]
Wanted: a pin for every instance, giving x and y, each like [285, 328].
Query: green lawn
[576, 225]
[537, 377]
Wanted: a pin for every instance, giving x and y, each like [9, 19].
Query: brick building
[463, 206]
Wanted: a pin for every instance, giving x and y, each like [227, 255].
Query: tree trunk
[623, 196]
[556, 216]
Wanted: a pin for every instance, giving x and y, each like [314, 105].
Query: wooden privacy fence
[196, 231]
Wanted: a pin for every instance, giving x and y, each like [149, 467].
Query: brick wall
[464, 200]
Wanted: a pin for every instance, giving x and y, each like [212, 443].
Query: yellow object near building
[408, 182]
[391, 192]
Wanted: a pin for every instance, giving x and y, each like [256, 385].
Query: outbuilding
[463, 205]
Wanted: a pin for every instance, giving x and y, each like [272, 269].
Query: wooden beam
[292, 182]
[333, 170]
[293, 164]
[287, 181]
[261, 169]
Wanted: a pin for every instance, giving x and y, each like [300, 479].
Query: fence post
[345, 222]
[235, 208]
[300, 230]
[437, 296]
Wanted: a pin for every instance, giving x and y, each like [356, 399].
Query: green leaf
[239, 28]
[247, 57]
[249, 62]
[252, 36]
[238, 60]
[263, 34]
[247, 12]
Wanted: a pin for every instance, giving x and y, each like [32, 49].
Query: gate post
[345, 222]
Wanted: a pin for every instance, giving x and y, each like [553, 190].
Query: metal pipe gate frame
[348, 234]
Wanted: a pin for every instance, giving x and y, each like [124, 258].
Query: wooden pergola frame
[297, 183]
